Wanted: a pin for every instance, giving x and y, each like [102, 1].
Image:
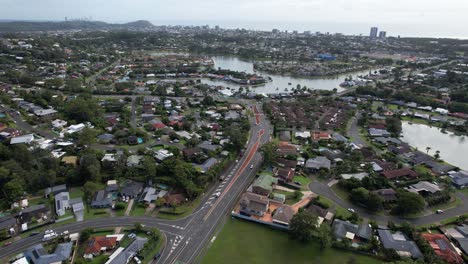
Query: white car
[137, 260]
[217, 194]
[251, 166]
[351, 210]
[439, 211]
[65, 233]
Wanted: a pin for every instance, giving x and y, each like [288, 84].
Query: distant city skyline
[398, 17]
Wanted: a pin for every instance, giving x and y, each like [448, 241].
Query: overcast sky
[407, 16]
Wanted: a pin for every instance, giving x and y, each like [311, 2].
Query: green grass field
[245, 242]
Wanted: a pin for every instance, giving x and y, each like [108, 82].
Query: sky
[398, 17]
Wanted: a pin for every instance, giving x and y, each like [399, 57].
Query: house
[25, 139]
[77, 206]
[163, 154]
[101, 199]
[96, 245]
[400, 243]
[443, 248]
[317, 163]
[373, 132]
[459, 179]
[62, 203]
[322, 214]
[284, 135]
[207, 165]
[124, 256]
[358, 176]
[388, 195]
[39, 211]
[263, 185]
[189, 153]
[254, 204]
[112, 186]
[340, 138]
[284, 174]
[403, 172]
[438, 168]
[105, 138]
[387, 140]
[38, 254]
[317, 135]
[283, 215]
[285, 163]
[302, 135]
[134, 160]
[174, 199]
[133, 140]
[70, 160]
[150, 195]
[285, 149]
[358, 233]
[59, 124]
[132, 189]
[206, 146]
[424, 188]
[460, 236]
[7, 223]
[55, 190]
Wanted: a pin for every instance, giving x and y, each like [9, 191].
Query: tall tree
[303, 226]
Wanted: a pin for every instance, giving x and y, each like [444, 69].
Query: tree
[393, 125]
[427, 149]
[90, 168]
[155, 234]
[270, 153]
[89, 188]
[303, 226]
[297, 194]
[86, 234]
[374, 202]
[13, 190]
[87, 136]
[408, 203]
[138, 227]
[437, 154]
[324, 234]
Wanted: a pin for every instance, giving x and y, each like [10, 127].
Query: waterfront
[452, 148]
[279, 82]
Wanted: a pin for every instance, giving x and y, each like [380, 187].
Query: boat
[289, 83]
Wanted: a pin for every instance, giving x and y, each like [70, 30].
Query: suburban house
[131, 189]
[400, 243]
[55, 190]
[39, 211]
[7, 224]
[317, 163]
[134, 160]
[101, 199]
[373, 132]
[96, 245]
[388, 195]
[443, 248]
[424, 188]
[61, 203]
[460, 235]
[356, 233]
[283, 215]
[151, 194]
[25, 139]
[403, 172]
[459, 179]
[317, 135]
[207, 165]
[124, 256]
[284, 174]
[263, 185]
[323, 214]
[254, 204]
[38, 254]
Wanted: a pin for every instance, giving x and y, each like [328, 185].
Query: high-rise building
[373, 32]
[382, 34]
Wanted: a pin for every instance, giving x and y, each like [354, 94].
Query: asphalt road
[324, 190]
[186, 237]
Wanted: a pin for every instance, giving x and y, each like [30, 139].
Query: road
[186, 237]
[324, 190]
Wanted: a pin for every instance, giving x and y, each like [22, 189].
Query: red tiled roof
[95, 244]
[404, 172]
[317, 135]
[442, 247]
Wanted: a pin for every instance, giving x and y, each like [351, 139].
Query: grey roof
[38, 255]
[207, 165]
[151, 194]
[463, 229]
[318, 163]
[438, 168]
[341, 228]
[459, 178]
[129, 251]
[132, 189]
[425, 186]
[463, 244]
[384, 140]
[56, 189]
[206, 145]
[388, 241]
[284, 214]
[7, 222]
[339, 137]
[101, 199]
[373, 132]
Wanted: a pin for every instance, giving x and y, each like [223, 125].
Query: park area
[244, 242]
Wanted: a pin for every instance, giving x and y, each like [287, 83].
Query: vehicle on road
[49, 235]
[251, 166]
[217, 194]
[439, 211]
[237, 161]
[157, 256]
[351, 210]
[7, 244]
[65, 233]
[137, 260]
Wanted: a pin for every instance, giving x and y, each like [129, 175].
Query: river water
[453, 149]
[279, 82]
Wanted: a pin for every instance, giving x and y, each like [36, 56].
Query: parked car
[351, 210]
[157, 256]
[439, 211]
[251, 166]
[217, 194]
[298, 183]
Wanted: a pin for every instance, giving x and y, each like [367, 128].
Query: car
[132, 235]
[439, 211]
[298, 183]
[237, 161]
[351, 210]
[157, 256]
[7, 244]
[158, 139]
[217, 194]
[65, 233]
[251, 166]
[137, 260]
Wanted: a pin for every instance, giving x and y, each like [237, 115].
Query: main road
[186, 237]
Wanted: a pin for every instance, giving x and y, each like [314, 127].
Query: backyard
[244, 242]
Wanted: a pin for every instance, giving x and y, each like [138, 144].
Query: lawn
[303, 180]
[245, 242]
[290, 197]
[180, 211]
[138, 209]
